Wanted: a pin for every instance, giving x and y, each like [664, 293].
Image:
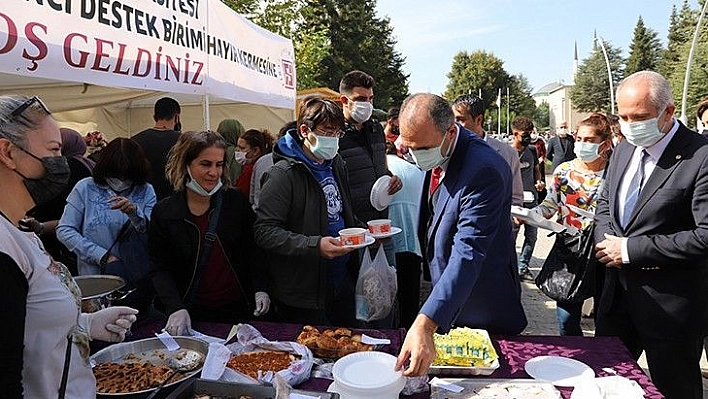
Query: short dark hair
[316, 111]
[702, 107]
[522, 123]
[355, 79]
[393, 112]
[122, 158]
[166, 108]
[469, 103]
[439, 109]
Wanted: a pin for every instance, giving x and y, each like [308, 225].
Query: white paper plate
[368, 240]
[379, 197]
[561, 371]
[393, 232]
[367, 370]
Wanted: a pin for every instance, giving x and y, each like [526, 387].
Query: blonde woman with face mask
[223, 283]
[576, 184]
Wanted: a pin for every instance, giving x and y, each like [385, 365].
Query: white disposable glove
[262, 303]
[108, 324]
[179, 323]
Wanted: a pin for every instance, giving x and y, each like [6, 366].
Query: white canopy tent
[97, 71]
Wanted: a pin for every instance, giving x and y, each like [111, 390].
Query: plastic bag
[376, 287]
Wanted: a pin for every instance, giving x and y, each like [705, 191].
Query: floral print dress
[573, 187]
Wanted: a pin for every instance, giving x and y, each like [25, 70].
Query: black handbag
[568, 274]
[133, 267]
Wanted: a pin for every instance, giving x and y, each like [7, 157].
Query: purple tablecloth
[514, 351]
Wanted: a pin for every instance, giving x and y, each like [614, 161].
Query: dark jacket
[174, 245]
[291, 220]
[560, 149]
[666, 281]
[364, 152]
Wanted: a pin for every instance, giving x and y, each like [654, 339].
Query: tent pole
[205, 110]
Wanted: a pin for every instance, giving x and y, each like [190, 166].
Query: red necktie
[435, 179]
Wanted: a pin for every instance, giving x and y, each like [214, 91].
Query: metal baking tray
[472, 386]
[151, 349]
[230, 390]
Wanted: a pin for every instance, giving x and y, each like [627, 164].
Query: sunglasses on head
[30, 102]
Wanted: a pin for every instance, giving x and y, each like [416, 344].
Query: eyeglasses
[337, 133]
[30, 102]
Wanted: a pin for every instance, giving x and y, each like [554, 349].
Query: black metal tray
[230, 390]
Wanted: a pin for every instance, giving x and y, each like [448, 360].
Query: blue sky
[533, 37]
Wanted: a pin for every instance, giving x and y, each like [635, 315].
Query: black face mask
[52, 184]
[525, 141]
[178, 126]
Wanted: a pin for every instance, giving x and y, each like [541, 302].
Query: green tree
[681, 27]
[358, 39]
[541, 117]
[592, 88]
[248, 8]
[475, 72]
[520, 100]
[645, 49]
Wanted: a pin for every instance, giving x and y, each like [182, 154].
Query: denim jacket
[89, 226]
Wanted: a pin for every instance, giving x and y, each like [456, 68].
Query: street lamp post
[609, 71]
[688, 63]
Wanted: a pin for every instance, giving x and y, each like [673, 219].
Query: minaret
[575, 61]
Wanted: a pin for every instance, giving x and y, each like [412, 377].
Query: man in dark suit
[470, 248]
[652, 233]
[561, 147]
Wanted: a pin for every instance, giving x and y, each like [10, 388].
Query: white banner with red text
[173, 46]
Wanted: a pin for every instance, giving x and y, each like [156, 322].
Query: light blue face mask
[325, 147]
[587, 152]
[642, 133]
[429, 158]
[194, 186]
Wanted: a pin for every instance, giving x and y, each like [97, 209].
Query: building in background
[557, 95]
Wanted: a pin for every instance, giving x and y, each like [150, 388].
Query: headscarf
[74, 146]
[231, 130]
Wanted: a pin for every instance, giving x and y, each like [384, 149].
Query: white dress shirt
[654, 154]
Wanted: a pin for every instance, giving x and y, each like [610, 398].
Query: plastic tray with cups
[376, 229]
[464, 351]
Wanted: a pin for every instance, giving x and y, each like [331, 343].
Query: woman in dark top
[223, 288]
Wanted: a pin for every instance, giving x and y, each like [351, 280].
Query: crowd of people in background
[240, 223]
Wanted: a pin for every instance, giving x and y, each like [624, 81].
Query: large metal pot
[100, 291]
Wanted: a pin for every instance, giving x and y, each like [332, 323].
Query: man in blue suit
[470, 246]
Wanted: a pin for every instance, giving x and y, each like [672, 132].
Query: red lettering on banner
[119, 60]
[11, 34]
[100, 54]
[139, 60]
[198, 73]
[37, 42]
[67, 50]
